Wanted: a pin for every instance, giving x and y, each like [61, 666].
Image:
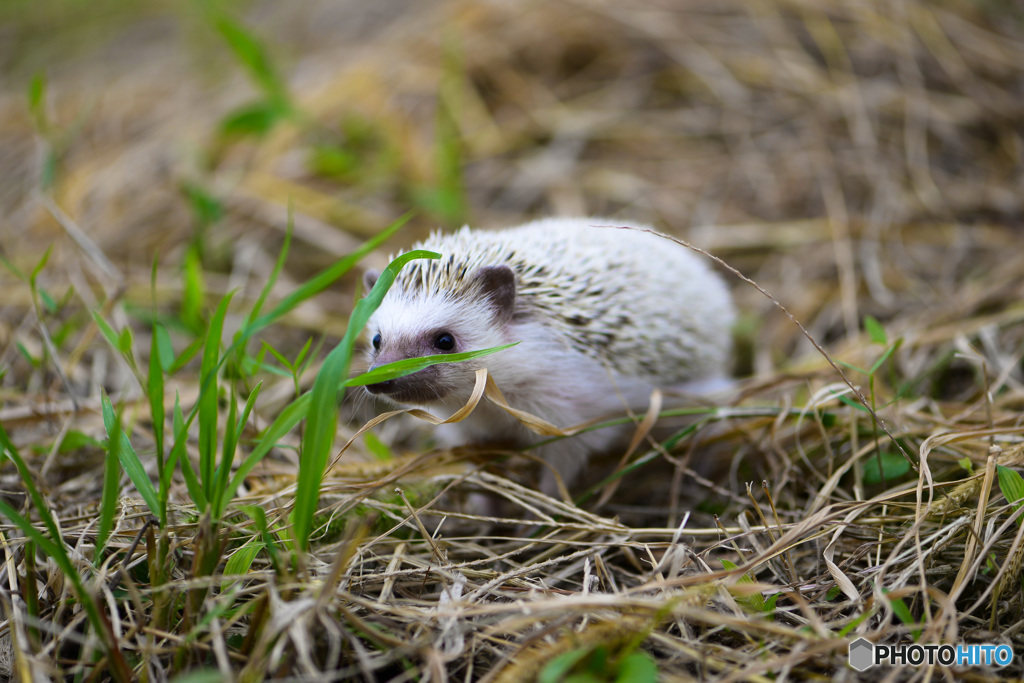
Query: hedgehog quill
[603, 316]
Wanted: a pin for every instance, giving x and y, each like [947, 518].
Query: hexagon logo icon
[862, 654]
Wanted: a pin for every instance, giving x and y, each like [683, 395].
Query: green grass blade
[7, 448]
[193, 290]
[163, 347]
[902, 612]
[282, 256]
[53, 546]
[129, 458]
[207, 402]
[1011, 485]
[637, 667]
[885, 356]
[179, 454]
[186, 356]
[875, 330]
[46, 544]
[322, 417]
[323, 280]
[241, 560]
[229, 442]
[292, 415]
[111, 490]
[107, 331]
[253, 56]
[286, 420]
[37, 102]
[407, 366]
[155, 394]
[234, 428]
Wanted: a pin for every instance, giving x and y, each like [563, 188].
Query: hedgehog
[603, 316]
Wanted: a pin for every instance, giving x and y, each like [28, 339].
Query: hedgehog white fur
[603, 316]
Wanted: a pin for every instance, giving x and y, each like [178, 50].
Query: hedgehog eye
[444, 342]
[377, 342]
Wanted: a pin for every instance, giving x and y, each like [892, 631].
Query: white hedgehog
[603, 316]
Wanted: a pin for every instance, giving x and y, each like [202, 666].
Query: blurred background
[853, 157]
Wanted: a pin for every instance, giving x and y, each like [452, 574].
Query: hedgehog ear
[498, 283]
[369, 280]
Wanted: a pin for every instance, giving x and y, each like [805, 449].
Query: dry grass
[853, 158]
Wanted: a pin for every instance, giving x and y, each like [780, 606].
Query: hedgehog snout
[421, 387]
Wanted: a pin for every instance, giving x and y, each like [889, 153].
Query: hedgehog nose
[385, 387]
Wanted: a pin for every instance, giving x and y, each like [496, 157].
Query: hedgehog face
[412, 322]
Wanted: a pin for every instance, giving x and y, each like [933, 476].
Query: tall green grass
[225, 370]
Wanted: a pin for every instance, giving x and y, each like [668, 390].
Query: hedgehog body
[603, 316]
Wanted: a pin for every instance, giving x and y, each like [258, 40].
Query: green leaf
[124, 341]
[322, 417]
[230, 444]
[207, 402]
[242, 559]
[200, 676]
[42, 509]
[848, 629]
[281, 358]
[1011, 484]
[155, 394]
[754, 601]
[559, 667]
[15, 271]
[37, 101]
[111, 490]
[377, 448]
[885, 356]
[206, 208]
[407, 366]
[282, 256]
[902, 612]
[892, 465]
[53, 546]
[39, 266]
[256, 119]
[967, 464]
[27, 355]
[49, 170]
[49, 305]
[162, 347]
[75, 440]
[193, 291]
[856, 405]
[851, 366]
[282, 424]
[179, 454]
[259, 518]
[293, 414]
[186, 356]
[253, 56]
[637, 667]
[322, 280]
[129, 459]
[875, 330]
[449, 198]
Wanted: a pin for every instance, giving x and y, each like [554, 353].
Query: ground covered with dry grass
[173, 173]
